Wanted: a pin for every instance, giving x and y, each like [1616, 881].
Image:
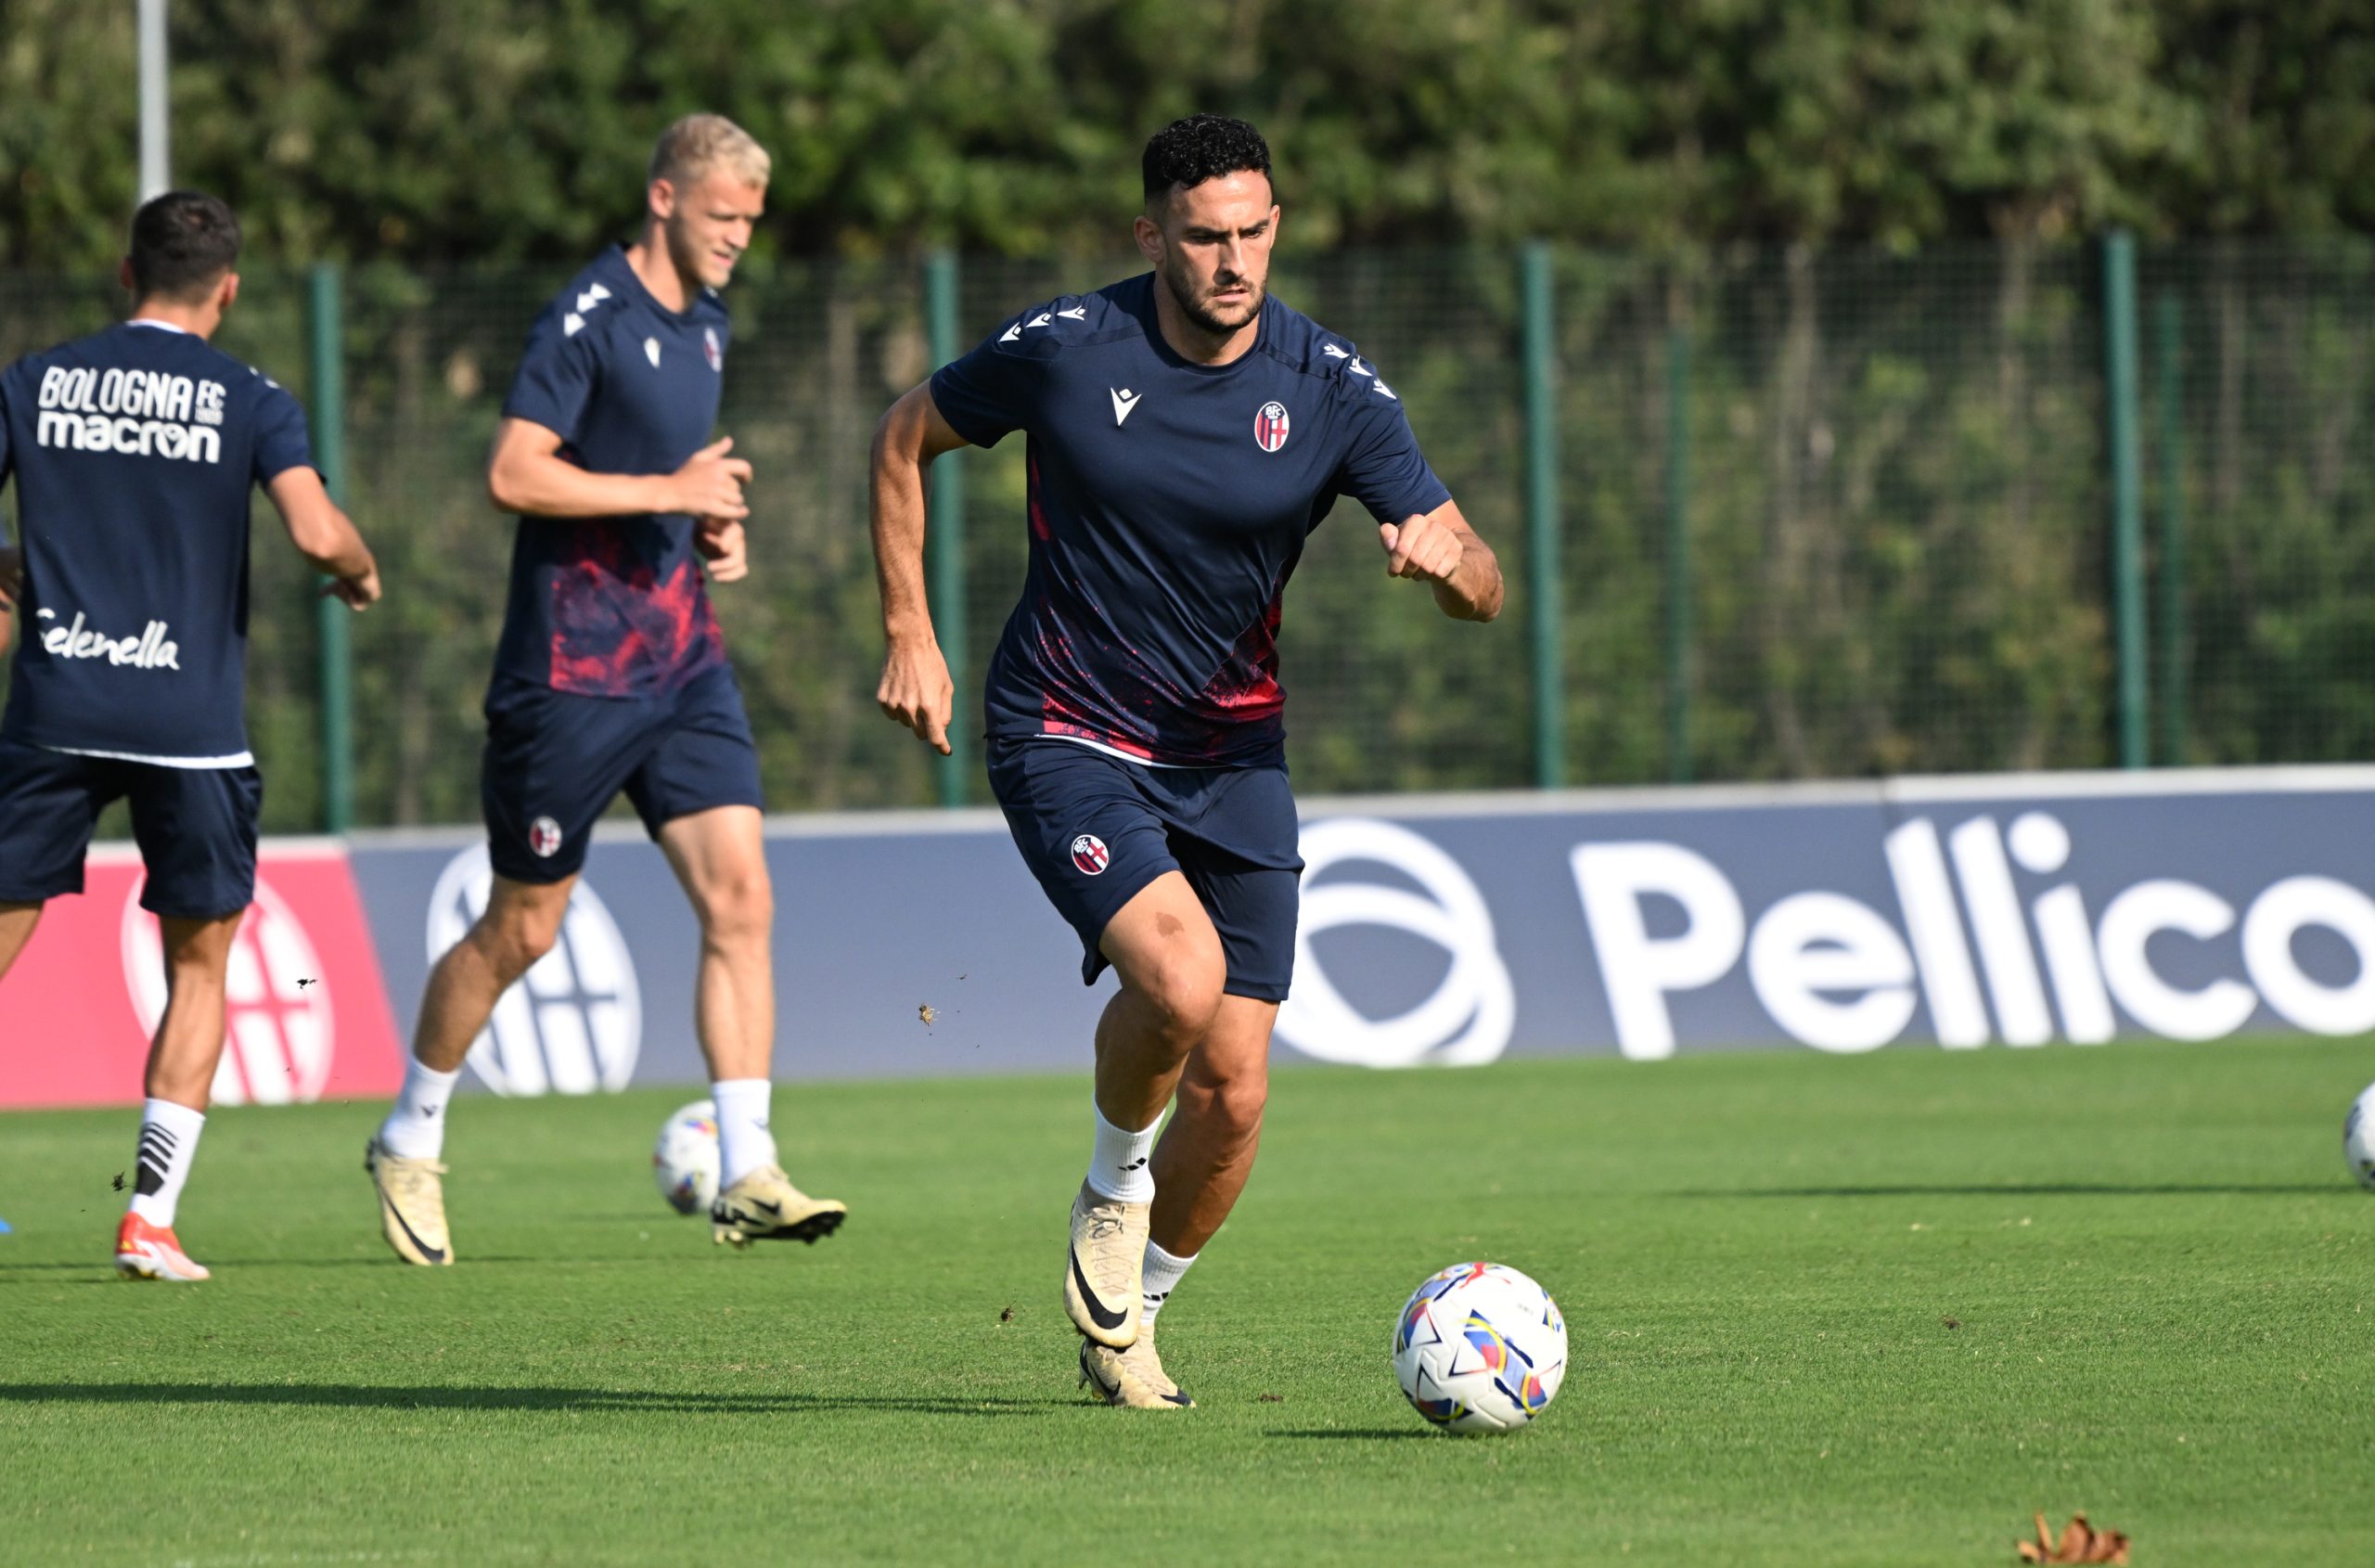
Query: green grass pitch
[1834, 1312]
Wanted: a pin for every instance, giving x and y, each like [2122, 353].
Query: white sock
[1163, 1272]
[168, 1140]
[416, 1125]
[743, 1142]
[1121, 1168]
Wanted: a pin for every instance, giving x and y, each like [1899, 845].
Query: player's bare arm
[11, 588]
[1439, 549]
[325, 535]
[526, 474]
[916, 690]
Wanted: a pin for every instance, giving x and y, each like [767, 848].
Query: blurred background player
[1186, 433]
[611, 675]
[134, 451]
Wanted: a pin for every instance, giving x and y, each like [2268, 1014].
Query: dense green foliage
[1893, 495]
[1856, 231]
[1823, 1313]
[450, 130]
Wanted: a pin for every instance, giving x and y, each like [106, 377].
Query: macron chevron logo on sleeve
[572, 325]
[1012, 334]
[1078, 312]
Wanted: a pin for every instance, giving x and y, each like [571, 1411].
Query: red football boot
[149, 1251]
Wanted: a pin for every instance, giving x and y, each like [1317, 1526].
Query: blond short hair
[699, 143]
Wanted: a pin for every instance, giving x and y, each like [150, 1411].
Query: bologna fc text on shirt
[139, 412]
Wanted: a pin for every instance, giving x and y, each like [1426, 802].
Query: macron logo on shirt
[139, 413]
[152, 650]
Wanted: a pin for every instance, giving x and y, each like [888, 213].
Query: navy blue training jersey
[134, 451]
[1169, 502]
[615, 607]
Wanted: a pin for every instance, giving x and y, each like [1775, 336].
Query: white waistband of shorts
[1109, 751]
[245, 759]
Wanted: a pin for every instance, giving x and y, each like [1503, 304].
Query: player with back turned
[1186, 433]
[612, 677]
[134, 451]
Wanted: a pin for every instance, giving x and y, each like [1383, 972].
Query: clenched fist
[1420, 548]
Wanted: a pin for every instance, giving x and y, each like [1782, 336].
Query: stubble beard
[1205, 317]
[692, 261]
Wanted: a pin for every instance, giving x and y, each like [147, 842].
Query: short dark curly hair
[1203, 146]
[182, 244]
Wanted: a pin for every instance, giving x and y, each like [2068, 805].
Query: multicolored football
[2359, 1137]
[684, 1161]
[1479, 1347]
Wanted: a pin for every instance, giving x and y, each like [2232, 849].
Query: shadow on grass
[624, 1401]
[2016, 1189]
[383, 1260]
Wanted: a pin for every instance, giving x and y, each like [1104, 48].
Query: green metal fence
[1766, 514]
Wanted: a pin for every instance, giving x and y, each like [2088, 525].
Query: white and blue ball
[2358, 1138]
[684, 1161]
[1479, 1347]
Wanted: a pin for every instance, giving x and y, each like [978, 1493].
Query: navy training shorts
[196, 827]
[555, 759]
[1096, 829]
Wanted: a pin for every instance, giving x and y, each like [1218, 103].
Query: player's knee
[1237, 1102]
[1183, 987]
[739, 908]
[514, 940]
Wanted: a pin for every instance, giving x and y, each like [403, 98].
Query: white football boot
[412, 1205]
[764, 1206]
[1105, 1266]
[1132, 1379]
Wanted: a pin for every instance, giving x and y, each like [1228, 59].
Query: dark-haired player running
[1186, 433]
[135, 451]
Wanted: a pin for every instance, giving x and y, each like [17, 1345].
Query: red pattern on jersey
[1039, 529]
[1246, 688]
[613, 617]
[1119, 698]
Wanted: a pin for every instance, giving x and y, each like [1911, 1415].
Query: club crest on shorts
[710, 347]
[543, 837]
[1090, 856]
[1270, 426]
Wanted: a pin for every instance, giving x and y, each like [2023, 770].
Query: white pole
[156, 107]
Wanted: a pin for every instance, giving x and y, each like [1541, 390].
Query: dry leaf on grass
[2080, 1542]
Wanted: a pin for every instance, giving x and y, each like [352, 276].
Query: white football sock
[168, 1141]
[1121, 1168]
[743, 1142]
[416, 1125]
[1163, 1272]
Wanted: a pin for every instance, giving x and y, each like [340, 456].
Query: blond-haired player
[611, 675]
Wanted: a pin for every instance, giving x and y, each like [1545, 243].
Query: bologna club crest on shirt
[708, 347]
[1090, 856]
[1270, 426]
[543, 837]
